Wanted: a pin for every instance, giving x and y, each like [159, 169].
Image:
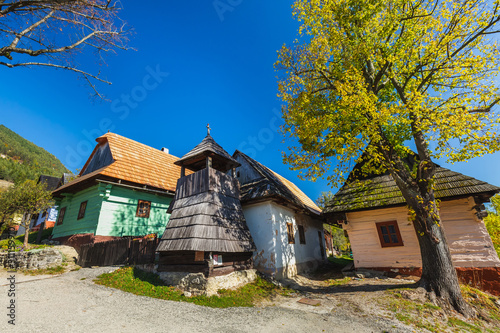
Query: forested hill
[21, 159]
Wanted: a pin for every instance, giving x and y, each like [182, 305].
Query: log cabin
[374, 213]
[124, 189]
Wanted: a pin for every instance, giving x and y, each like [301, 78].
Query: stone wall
[34, 259]
[198, 284]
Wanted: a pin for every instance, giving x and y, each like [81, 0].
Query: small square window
[388, 233]
[81, 212]
[302, 234]
[143, 208]
[291, 236]
[60, 218]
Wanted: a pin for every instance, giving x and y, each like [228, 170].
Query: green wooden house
[124, 189]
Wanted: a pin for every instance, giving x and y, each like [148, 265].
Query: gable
[100, 158]
[246, 173]
[259, 182]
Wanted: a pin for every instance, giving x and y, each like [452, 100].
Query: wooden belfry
[207, 231]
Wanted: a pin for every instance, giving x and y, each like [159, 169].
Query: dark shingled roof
[271, 184]
[50, 182]
[207, 216]
[207, 147]
[382, 191]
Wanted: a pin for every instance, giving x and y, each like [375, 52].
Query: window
[60, 218]
[302, 235]
[143, 208]
[389, 235]
[81, 212]
[291, 237]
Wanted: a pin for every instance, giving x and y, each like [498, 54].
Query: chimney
[165, 150]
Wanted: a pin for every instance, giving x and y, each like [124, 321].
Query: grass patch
[340, 262]
[19, 240]
[46, 271]
[138, 282]
[454, 322]
[433, 318]
[338, 282]
[484, 303]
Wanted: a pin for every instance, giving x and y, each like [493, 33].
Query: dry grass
[411, 309]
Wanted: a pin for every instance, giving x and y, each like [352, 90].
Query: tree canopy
[21, 159]
[492, 222]
[27, 198]
[368, 82]
[391, 72]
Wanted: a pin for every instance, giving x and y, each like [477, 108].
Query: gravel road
[73, 303]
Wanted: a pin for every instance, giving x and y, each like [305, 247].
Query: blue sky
[194, 64]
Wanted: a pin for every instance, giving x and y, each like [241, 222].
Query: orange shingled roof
[298, 193]
[135, 162]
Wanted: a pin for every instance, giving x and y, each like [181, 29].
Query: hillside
[21, 159]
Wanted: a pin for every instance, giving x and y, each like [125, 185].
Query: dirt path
[73, 303]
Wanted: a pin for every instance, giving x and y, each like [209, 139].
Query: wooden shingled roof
[270, 184]
[195, 158]
[132, 162]
[207, 216]
[382, 191]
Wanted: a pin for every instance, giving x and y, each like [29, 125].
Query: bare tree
[55, 30]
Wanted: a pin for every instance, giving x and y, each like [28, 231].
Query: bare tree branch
[56, 30]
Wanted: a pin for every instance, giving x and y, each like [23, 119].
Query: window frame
[81, 214]
[383, 243]
[143, 214]
[291, 233]
[60, 216]
[302, 234]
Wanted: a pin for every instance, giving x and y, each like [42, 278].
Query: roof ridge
[275, 178]
[372, 192]
[111, 134]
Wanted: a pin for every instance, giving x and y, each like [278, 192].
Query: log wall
[468, 239]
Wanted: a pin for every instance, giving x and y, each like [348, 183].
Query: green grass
[454, 322]
[338, 282]
[427, 315]
[340, 262]
[45, 271]
[4, 244]
[138, 282]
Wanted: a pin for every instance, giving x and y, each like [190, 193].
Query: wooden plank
[199, 256]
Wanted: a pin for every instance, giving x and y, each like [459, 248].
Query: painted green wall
[88, 223]
[111, 211]
[118, 212]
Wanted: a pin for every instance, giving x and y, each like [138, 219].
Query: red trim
[484, 278]
[383, 243]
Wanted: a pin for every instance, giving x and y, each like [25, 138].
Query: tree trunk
[438, 273]
[26, 230]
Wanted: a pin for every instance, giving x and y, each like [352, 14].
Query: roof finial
[208, 129]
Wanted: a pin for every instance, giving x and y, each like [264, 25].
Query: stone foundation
[198, 284]
[34, 259]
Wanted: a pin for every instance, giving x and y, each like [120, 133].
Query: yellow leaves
[335, 103]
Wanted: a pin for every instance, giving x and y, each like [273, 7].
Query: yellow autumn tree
[371, 81]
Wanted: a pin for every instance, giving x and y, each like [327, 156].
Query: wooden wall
[469, 242]
[184, 261]
[88, 224]
[111, 212]
[118, 213]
